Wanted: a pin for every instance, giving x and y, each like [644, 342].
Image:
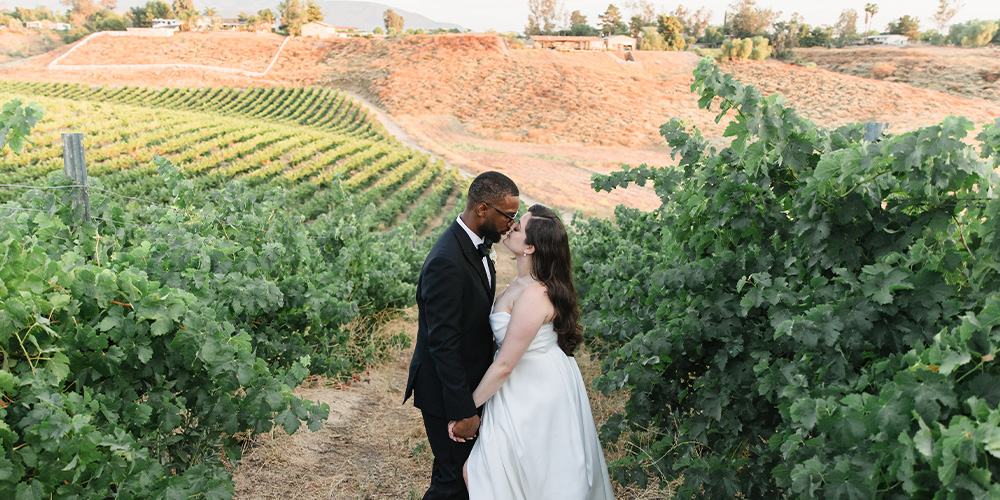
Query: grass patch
[468, 146]
[548, 157]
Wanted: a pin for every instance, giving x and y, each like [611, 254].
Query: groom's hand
[465, 429]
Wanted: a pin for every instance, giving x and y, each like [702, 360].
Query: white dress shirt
[476, 240]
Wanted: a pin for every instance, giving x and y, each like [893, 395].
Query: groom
[454, 338]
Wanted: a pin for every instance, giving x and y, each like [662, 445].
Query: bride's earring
[525, 253]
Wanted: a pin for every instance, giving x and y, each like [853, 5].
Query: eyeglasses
[505, 214]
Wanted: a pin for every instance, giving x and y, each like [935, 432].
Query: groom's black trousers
[449, 457]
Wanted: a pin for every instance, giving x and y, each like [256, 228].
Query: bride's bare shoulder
[533, 295]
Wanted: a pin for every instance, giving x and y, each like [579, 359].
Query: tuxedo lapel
[476, 260]
[472, 255]
[493, 277]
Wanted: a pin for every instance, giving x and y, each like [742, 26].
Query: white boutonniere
[493, 255]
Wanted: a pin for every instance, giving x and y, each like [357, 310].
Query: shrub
[73, 35]
[738, 49]
[650, 39]
[975, 33]
[882, 70]
[744, 47]
[727, 50]
[761, 48]
[932, 37]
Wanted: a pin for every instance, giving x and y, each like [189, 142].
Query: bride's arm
[530, 310]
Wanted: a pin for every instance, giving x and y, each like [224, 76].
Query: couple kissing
[504, 404]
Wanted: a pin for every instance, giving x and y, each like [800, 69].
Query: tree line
[745, 19]
[89, 16]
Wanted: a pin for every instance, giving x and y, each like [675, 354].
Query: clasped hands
[463, 430]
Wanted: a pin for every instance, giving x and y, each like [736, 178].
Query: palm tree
[251, 23]
[187, 17]
[210, 13]
[266, 17]
[870, 11]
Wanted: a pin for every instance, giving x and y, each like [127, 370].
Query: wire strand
[22, 209]
[108, 191]
[39, 187]
[125, 223]
[122, 195]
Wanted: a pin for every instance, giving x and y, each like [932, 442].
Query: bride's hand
[451, 432]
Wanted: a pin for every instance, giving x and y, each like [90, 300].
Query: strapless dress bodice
[544, 340]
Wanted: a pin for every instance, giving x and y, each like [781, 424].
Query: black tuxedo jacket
[454, 338]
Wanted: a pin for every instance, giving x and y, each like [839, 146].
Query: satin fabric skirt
[537, 440]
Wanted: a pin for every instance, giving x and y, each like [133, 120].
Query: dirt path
[388, 123]
[402, 136]
[373, 447]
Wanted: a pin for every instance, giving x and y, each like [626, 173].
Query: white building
[895, 40]
[166, 24]
[48, 25]
[319, 29]
[619, 42]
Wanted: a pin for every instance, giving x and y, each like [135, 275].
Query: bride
[537, 439]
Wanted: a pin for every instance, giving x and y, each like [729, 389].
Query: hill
[548, 118]
[367, 15]
[317, 143]
[962, 72]
[16, 45]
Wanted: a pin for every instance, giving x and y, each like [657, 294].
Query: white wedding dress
[538, 440]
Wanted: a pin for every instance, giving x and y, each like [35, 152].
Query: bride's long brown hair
[552, 265]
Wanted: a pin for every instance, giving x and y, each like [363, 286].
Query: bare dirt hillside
[549, 119]
[963, 72]
[537, 96]
[299, 64]
[834, 99]
[498, 93]
[249, 52]
[19, 44]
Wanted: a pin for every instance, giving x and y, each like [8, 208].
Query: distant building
[896, 40]
[318, 29]
[614, 42]
[619, 42]
[166, 24]
[203, 23]
[48, 25]
[232, 24]
[568, 42]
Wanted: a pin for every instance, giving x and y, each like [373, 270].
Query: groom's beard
[493, 235]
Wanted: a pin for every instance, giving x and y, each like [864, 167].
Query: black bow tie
[484, 247]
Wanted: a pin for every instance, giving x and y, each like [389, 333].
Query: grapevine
[818, 316]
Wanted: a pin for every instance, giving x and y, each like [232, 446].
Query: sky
[512, 15]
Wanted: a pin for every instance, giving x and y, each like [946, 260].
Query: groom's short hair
[491, 187]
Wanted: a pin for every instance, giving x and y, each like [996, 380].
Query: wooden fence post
[75, 166]
[875, 130]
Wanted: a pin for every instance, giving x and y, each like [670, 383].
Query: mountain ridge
[365, 16]
[368, 15]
